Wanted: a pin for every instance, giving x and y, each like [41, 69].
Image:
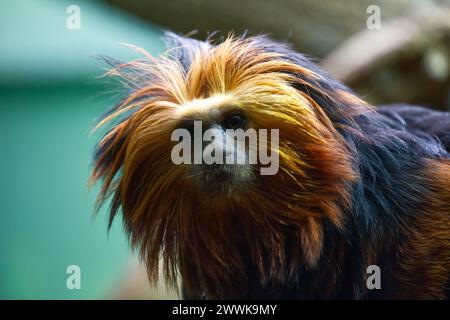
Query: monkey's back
[419, 120]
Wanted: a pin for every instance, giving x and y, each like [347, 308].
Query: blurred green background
[49, 99]
[51, 94]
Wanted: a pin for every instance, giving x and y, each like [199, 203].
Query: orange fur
[424, 273]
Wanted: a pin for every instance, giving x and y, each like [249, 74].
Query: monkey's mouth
[222, 178]
[219, 172]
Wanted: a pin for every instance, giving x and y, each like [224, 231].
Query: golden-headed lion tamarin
[356, 185]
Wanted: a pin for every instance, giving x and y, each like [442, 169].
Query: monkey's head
[217, 211]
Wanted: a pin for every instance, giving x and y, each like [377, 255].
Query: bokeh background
[51, 94]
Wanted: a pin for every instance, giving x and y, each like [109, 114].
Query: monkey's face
[226, 138]
[221, 146]
[214, 157]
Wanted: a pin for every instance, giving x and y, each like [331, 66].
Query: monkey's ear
[182, 48]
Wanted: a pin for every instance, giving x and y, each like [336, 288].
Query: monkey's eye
[234, 121]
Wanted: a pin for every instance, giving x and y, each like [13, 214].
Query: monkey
[357, 185]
